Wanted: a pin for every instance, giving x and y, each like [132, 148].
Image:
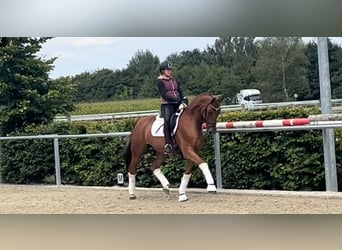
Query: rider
[171, 97]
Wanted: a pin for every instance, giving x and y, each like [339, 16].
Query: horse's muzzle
[211, 130]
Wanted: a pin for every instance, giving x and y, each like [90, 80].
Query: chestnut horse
[189, 138]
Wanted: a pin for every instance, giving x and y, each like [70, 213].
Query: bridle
[204, 117]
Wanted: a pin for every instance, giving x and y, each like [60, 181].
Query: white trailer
[249, 97]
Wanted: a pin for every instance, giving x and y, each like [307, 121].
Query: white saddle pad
[158, 127]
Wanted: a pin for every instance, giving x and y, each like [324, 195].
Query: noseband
[204, 118]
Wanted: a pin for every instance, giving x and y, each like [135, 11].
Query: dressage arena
[39, 199]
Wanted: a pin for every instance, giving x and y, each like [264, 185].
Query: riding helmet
[165, 65]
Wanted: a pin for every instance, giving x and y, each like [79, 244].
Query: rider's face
[168, 72]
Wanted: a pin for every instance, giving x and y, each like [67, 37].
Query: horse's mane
[201, 99]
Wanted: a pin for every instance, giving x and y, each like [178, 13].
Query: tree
[281, 69]
[335, 66]
[84, 84]
[27, 95]
[238, 54]
[3, 41]
[143, 72]
[187, 58]
[312, 71]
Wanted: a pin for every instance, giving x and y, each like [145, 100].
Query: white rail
[337, 103]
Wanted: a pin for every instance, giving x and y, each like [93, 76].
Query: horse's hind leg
[158, 173]
[132, 169]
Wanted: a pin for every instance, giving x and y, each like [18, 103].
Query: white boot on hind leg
[166, 189]
[211, 188]
[182, 188]
[161, 177]
[132, 196]
[182, 197]
[131, 186]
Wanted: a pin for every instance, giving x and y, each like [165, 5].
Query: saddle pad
[157, 128]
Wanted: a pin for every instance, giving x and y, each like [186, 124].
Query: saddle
[158, 124]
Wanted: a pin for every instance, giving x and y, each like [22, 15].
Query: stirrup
[168, 149]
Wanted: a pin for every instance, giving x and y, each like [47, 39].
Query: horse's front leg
[185, 181]
[194, 157]
[211, 188]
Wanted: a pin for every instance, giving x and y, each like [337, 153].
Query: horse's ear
[219, 98]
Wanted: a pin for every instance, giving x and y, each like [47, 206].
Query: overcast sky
[79, 54]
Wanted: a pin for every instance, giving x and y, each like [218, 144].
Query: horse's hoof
[166, 189]
[182, 197]
[132, 197]
[211, 188]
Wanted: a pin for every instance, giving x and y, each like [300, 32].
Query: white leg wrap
[182, 197]
[131, 183]
[184, 183]
[205, 169]
[161, 177]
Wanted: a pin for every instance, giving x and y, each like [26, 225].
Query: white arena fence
[55, 139]
[336, 106]
[222, 127]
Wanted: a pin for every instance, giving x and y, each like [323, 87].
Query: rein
[204, 117]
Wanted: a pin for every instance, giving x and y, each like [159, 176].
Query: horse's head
[211, 113]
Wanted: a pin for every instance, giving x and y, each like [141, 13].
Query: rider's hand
[185, 100]
[182, 106]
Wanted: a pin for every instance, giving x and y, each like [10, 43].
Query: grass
[116, 106]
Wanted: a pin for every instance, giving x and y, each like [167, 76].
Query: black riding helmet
[165, 65]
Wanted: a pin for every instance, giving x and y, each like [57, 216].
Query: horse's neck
[196, 116]
[197, 107]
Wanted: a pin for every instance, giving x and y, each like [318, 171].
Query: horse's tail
[128, 152]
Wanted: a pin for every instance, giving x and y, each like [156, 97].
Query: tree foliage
[279, 66]
[27, 95]
[143, 69]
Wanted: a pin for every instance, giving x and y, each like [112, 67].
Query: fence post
[328, 134]
[1, 162]
[218, 160]
[57, 161]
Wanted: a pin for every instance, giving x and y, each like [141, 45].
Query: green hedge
[290, 160]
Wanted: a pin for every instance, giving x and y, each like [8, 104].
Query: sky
[80, 54]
